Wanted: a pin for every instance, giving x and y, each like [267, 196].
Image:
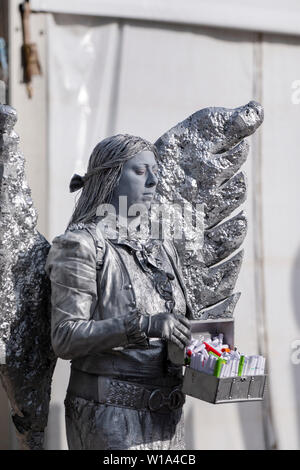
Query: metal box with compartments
[208, 387]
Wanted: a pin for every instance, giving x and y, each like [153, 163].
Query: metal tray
[223, 390]
[208, 387]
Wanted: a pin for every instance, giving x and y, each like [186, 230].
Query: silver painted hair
[111, 154]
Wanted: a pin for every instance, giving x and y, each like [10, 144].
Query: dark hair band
[77, 181]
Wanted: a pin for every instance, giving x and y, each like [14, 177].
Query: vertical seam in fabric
[270, 435]
[115, 88]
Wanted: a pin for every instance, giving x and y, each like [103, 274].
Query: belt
[114, 392]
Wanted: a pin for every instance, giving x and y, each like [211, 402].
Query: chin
[147, 204]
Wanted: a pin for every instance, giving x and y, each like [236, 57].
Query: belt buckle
[174, 401]
[156, 400]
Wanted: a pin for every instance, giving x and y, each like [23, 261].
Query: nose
[151, 180]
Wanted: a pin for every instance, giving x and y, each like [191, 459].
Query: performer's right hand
[174, 328]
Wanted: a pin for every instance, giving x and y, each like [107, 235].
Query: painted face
[138, 179]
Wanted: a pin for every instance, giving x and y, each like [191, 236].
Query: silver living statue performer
[121, 298]
[116, 300]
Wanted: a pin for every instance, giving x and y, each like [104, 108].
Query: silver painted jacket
[95, 313]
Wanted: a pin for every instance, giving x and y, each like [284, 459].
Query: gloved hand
[174, 328]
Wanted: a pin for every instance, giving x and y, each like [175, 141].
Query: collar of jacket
[119, 230]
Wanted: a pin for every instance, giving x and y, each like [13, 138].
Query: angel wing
[199, 166]
[27, 360]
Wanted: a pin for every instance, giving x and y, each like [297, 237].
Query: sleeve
[71, 266]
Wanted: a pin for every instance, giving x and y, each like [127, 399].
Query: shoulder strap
[100, 247]
[99, 242]
[172, 253]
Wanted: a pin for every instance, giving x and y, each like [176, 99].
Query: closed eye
[141, 171]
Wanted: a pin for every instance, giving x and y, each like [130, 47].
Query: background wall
[104, 76]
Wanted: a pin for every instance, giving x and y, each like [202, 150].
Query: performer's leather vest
[115, 292]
